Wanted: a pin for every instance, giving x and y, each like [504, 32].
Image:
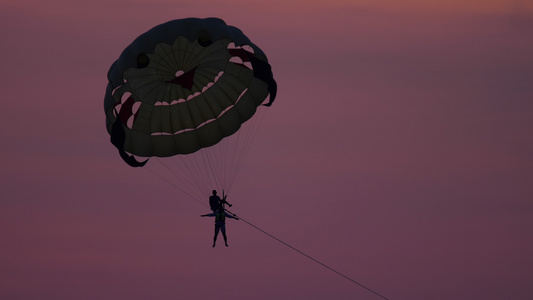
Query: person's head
[214, 192]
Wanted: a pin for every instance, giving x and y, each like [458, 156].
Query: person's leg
[217, 229]
[224, 234]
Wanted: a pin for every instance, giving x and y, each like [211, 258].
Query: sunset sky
[399, 153]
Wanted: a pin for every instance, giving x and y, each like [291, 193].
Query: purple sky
[398, 152]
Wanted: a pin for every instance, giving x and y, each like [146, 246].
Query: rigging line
[192, 182]
[196, 162]
[248, 137]
[232, 158]
[176, 186]
[236, 155]
[311, 258]
[203, 162]
[209, 164]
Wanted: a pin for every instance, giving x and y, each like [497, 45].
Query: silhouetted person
[216, 203]
[220, 224]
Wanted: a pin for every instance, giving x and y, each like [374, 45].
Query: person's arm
[230, 216]
[208, 215]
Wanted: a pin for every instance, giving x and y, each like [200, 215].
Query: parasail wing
[182, 86]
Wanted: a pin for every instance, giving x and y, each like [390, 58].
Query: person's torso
[220, 217]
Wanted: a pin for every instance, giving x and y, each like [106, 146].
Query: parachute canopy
[182, 86]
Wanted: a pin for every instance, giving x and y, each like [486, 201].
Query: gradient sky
[398, 152]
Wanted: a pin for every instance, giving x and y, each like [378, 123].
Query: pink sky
[398, 152]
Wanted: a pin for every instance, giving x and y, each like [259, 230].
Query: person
[220, 224]
[216, 203]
